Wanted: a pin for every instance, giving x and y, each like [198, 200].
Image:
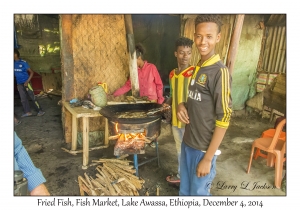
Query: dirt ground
[43, 139]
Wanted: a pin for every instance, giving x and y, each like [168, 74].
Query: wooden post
[74, 133]
[106, 132]
[67, 73]
[132, 57]
[85, 141]
[234, 42]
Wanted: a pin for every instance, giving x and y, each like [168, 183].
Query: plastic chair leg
[278, 169]
[250, 160]
[257, 152]
[271, 160]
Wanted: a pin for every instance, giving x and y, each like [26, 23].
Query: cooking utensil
[111, 111]
[156, 110]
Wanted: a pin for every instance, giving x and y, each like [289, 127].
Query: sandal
[18, 123]
[152, 144]
[27, 114]
[173, 179]
[41, 113]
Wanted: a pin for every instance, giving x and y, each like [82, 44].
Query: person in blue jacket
[21, 69]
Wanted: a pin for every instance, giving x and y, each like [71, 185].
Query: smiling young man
[207, 111]
[179, 79]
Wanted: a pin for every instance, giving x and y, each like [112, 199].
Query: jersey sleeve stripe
[225, 95]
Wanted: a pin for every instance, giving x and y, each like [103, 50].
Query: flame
[133, 140]
[131, 136]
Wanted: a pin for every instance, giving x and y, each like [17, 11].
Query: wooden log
[113, 137]
[123, 156]
[84, 186]
[119, 180]
[110, 171]
[83, 180]
[80, 183]
[127, 169]
[99, 147]
[130, 185]
[120, 191]
[123, 186]
[234, 42]
[88, 181]
[130, 192]
[117, 189]
[70, 151]
[101, 180]
[67, 74]
[86, 190]
[136, 193]
[74, 152]
[133, 70]
[124, 162]
[130, 179]
[94, 164]
[125, 173]
[107, 180]
[134, 180]
[95, 191]
[100, 186]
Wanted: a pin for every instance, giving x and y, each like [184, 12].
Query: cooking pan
[110, 112]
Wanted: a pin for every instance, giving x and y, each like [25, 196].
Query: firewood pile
[114, 177]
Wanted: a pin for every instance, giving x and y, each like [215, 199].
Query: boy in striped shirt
[179, 79]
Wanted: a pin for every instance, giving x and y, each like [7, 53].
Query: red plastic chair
[275, 147]
[271, 158]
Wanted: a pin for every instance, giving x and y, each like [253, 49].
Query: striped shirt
[178, 91]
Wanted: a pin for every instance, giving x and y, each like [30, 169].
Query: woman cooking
[150, 83]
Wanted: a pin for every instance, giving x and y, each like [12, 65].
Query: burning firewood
[113, 137]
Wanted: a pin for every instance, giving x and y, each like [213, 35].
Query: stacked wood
[115, 177]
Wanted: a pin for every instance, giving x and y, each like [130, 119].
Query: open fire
[130, 142]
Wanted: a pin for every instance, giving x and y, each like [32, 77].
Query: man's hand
[40, 190]
[182, 114]
[26, 84]
[203, 167]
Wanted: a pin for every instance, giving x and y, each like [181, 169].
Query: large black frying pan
[110, 111]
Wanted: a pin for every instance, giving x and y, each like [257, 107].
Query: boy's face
[15, 56]
[183, 55]
[206, 37]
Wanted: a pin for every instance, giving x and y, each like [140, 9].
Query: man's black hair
[209, 18]
[16, 51]
[140, 50]
[183, 41]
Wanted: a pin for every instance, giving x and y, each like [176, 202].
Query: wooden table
[78, 112]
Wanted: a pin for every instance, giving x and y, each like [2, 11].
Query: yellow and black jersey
[178, 91]
[209, 102]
